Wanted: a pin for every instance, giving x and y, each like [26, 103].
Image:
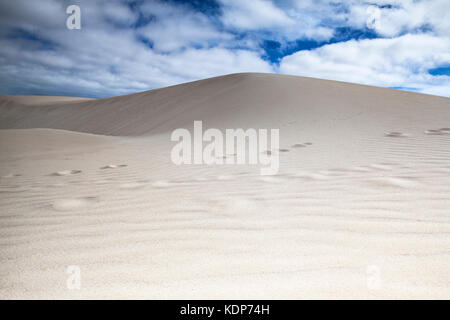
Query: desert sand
[359, 209]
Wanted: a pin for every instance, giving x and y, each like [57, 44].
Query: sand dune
[238, 100]
[359, 209]
[38, 100]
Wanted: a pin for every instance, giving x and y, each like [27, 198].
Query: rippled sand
[359, 209]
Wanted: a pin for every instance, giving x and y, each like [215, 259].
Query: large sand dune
[359, 209]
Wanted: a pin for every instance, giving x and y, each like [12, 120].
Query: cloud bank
[128, 46]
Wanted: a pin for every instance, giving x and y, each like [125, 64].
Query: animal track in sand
[437, 132]
[302, 145]
[12, 175]
[56, 185]
[66, 173]
[395, 134]
[73, 203]
[270, 152]
[114, 166]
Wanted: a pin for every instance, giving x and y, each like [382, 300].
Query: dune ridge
[237, 100]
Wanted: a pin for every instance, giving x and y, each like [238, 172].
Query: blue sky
[129, 46]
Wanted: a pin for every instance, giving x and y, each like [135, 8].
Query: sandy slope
[356, 202]
[39, 100]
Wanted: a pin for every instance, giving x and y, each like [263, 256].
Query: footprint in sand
[270, 152]
[395, 134]
[73, 204]
[66, 173]
[12, 175]
[438, 132]
[114, 166]
[302, 145]
[56, 185]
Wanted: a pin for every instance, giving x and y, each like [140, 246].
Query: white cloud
[119, 13]
[176, 27]
[402, 16]
[103, 59]
[107, 57]
[396, 62]
[283, 23]
[397, 17]
[253, 15]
